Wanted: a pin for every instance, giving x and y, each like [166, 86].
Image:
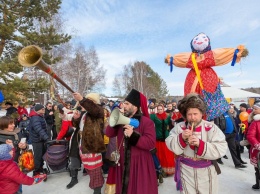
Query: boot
[74, 179]
[256, 186]
[97, 190]
[160, 178]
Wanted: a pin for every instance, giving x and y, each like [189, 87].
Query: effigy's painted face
[200, 42]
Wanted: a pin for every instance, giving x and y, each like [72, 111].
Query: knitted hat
[60, 107]
[137, 99]
[94, 97]
[9, 103]
[24, 115]
[4, 152]
[38, 107]
[257, 104]
[152, 100]
[243, 105]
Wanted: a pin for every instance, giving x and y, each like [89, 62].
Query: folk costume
[194, 171]
[135, 171]
[212, 146]
[92, 142]
[162, 126]
[202, 79]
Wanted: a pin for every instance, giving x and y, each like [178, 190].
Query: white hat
[94, 97]
[257, 104]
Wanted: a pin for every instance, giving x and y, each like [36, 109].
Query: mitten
[39, 178]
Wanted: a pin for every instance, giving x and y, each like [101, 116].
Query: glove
[39, 178]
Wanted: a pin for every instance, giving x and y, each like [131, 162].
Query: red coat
[253, 137]
[11, 177]
[21, 111]
[140, 177]
[64, 129]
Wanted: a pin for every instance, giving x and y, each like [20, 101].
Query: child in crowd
[10, 175]
[23, 126]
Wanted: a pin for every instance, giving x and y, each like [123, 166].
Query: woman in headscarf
[163, 124]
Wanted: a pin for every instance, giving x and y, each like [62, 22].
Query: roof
[230, 92]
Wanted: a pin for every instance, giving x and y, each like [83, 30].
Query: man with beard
[196, 143]
[135, 171]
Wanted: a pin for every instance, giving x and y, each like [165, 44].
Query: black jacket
[37, 128]
[49, 118]
[10, 111]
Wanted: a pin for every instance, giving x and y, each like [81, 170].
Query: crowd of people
[168, 139]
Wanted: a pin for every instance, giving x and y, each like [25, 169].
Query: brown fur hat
[192, 100]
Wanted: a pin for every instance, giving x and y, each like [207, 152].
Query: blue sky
[123, 32]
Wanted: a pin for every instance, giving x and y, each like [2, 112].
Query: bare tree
[117, 85]
[84, 72]
[141, 77]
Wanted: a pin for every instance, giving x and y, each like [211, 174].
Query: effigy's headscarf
[204, 45]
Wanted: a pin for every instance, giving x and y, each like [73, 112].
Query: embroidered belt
[189, 161]
[193, 158]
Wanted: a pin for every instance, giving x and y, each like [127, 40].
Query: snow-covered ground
[231, 181]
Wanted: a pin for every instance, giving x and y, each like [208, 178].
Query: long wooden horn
[32, 56]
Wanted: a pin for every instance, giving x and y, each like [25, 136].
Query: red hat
[139, 100]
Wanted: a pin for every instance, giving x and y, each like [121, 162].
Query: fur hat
[38, 107]
[4, 152]
[244, 105]
[94, 97]
[139, 100]
[192, 100]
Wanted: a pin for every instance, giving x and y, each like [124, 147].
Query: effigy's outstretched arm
[179, 60]
[223, 56]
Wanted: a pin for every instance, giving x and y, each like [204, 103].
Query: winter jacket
[37, 128]
[253, 137]
[11, 177]
[21, 111]
[10, 111]
[49, 118]
[66, 123]
[57, 120]
[24, 124]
